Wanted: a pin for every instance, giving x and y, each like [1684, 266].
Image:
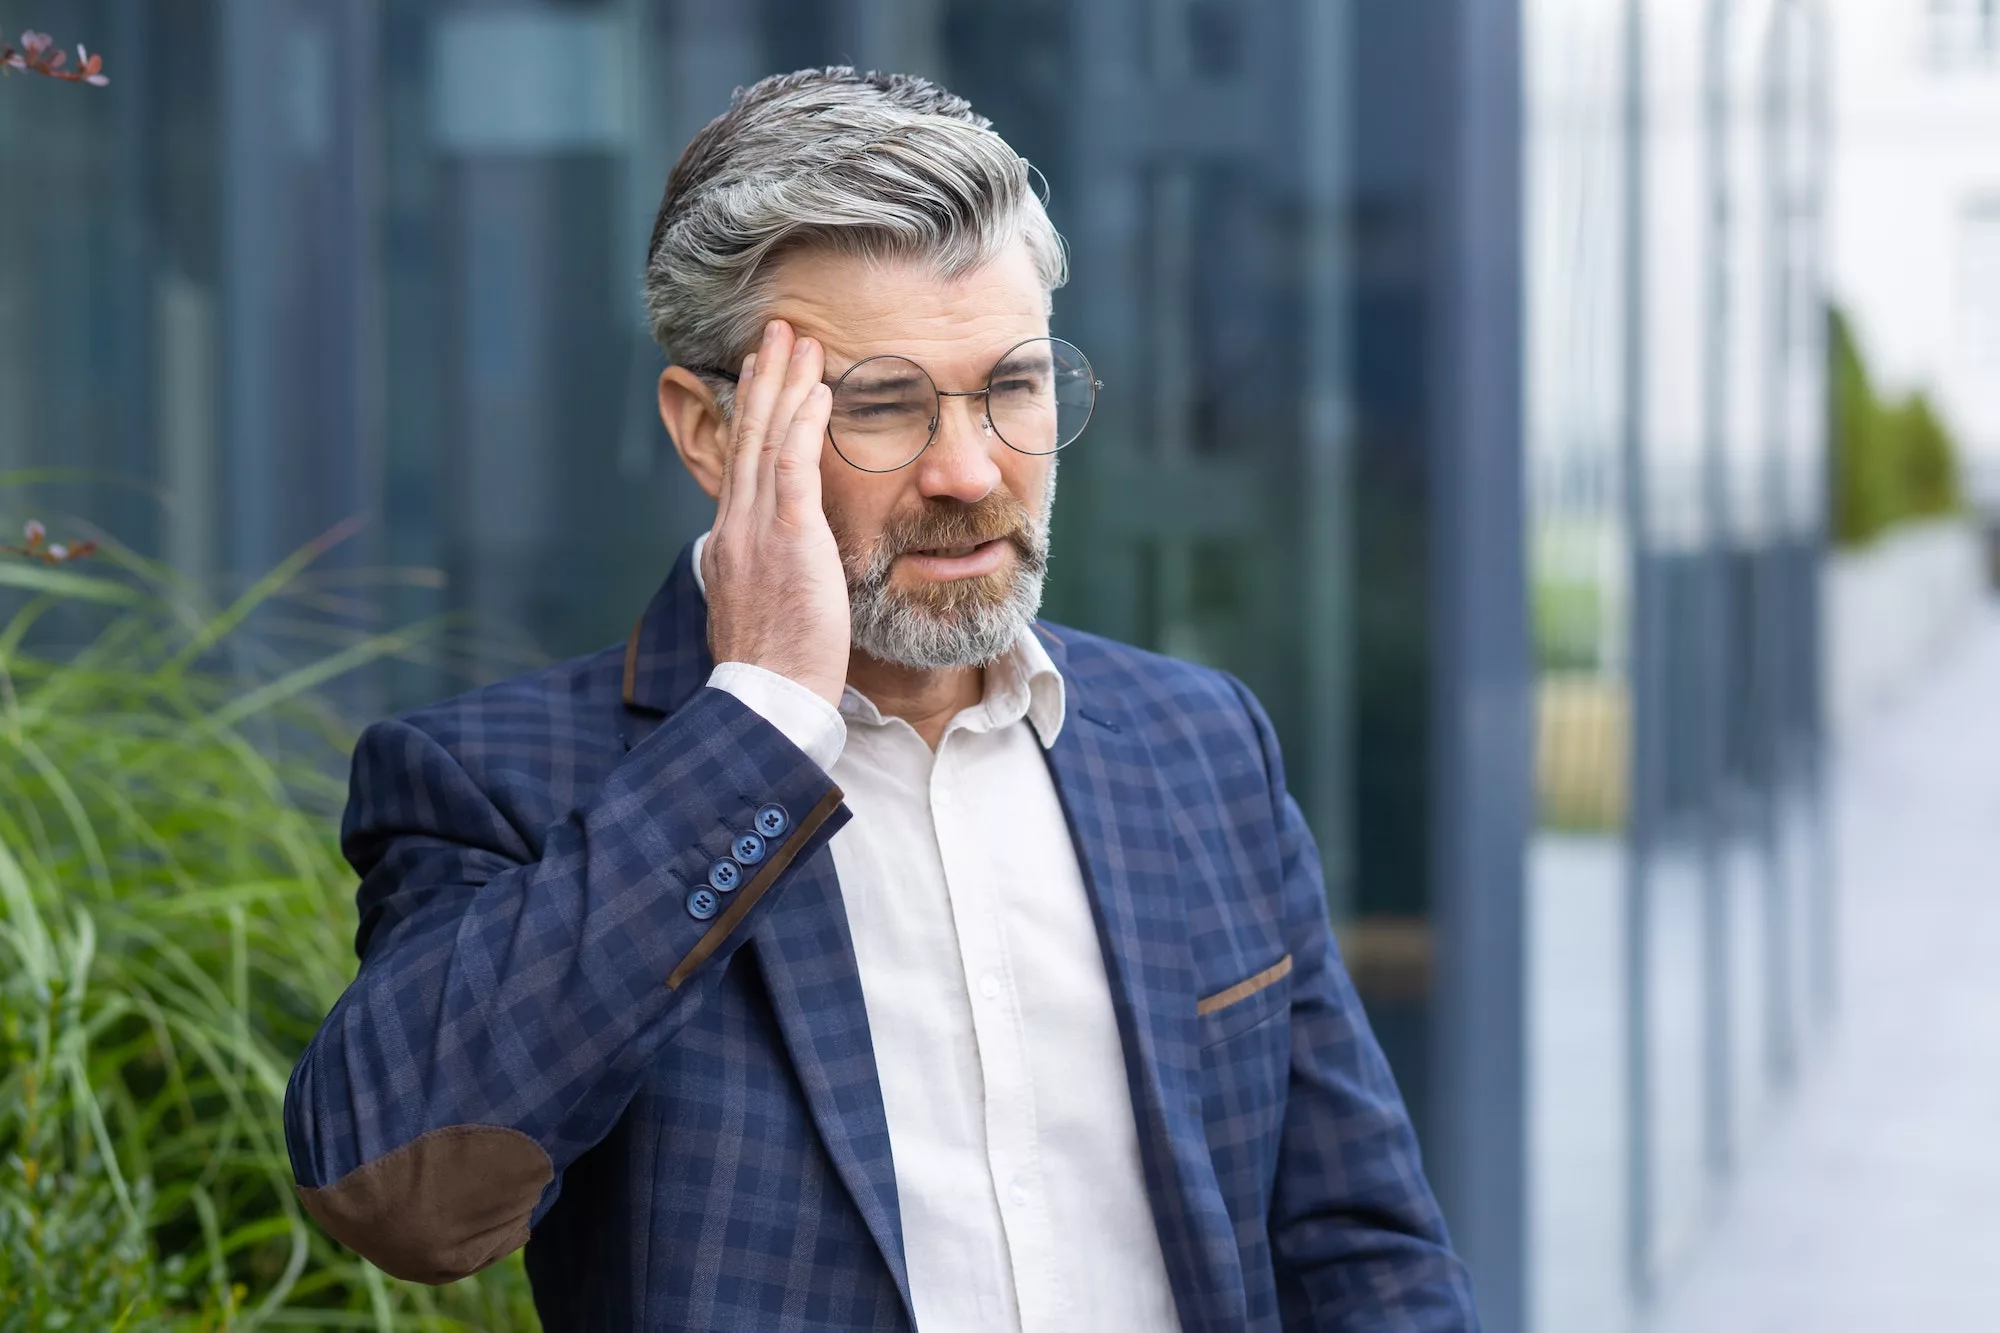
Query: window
[1963, 34]
[1979, 285]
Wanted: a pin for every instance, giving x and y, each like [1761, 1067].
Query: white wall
[1916, 146]
[1892, 609]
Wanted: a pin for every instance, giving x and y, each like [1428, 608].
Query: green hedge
[174, 921]
[1893, 462]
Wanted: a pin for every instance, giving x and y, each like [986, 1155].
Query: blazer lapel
[807, 957]
[666, 655]
[803, 949]
[1111, 792]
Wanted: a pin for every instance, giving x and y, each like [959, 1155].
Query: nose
[962, 461]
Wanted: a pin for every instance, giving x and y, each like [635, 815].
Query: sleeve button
[702, 904]
[772, 820]
[748, 849]
[725, 875]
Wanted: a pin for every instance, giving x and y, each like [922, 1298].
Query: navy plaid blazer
[562, 1036]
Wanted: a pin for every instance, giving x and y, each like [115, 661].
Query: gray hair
[876, 165]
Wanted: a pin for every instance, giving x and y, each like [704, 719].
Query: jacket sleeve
[1356, 1235]
[508, 1004]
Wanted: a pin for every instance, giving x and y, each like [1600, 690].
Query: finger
[751, 419]
[809, 367]
[794, 483]
[808, 361]
[755, 396]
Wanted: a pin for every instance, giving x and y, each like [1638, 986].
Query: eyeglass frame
[834, 384]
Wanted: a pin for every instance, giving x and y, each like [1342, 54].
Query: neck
[926, 699]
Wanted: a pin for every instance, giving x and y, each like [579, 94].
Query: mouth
[958, 562]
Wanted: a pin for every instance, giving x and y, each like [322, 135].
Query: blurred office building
[1465, 395]
[1680, 944]
[1916, 113]
[1913, 238]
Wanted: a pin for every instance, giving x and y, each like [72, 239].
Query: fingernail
[799, 348]
[749, 365]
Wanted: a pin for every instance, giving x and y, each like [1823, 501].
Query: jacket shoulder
[583, 692]
[1161, 693]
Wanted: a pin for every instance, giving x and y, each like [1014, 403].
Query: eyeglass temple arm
[734, 378]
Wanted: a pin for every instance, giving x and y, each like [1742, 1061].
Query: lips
[952, 552]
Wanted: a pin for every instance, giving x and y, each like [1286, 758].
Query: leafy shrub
[175, 920]
[1568, 622]
[1892, 462]
[1932, 485]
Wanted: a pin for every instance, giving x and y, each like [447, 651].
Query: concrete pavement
[1872, 1203]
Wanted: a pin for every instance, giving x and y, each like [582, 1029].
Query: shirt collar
[1021, 682]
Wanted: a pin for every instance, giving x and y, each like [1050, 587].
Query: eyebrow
[1013, 365]
[1025, 361]
[900, 380]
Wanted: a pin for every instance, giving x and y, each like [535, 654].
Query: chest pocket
[1245, 1005]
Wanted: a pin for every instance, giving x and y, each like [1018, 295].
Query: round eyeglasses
[1039, 397]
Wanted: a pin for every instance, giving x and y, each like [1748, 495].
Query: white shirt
[1003, 1080]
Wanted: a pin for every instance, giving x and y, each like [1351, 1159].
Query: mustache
[951, 523]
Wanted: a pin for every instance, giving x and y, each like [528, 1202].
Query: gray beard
[898, 632]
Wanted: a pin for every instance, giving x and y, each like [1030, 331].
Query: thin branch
[38, 54]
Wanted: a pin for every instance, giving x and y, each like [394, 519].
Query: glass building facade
[1462, 396]
[1679, 962]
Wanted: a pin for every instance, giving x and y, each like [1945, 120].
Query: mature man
[851, 950]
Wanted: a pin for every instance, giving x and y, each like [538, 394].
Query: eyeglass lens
[886, 409]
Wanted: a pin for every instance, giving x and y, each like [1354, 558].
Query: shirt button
[749, 849]
[1017, 1194]
[725, 875]
[941, 799]
[772, 820]
[702, 903]
[989, 986]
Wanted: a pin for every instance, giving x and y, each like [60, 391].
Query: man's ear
[697, 426]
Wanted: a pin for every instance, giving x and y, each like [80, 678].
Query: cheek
[1027, 479]
[856, 503]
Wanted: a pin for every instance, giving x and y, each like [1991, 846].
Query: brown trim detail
[1047, 633]
[1389, 958]
[747, 896]
[441, 1207]
[632, 664]
[1244, 989]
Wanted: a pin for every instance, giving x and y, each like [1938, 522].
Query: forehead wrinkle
[844, 303]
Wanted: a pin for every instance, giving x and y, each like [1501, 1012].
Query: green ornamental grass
[175, 919]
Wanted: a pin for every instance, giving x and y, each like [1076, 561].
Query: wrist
[828, 688]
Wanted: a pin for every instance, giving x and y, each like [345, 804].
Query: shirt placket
[1012, 1139]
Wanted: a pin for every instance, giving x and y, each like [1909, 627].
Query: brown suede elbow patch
[441, 1207]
